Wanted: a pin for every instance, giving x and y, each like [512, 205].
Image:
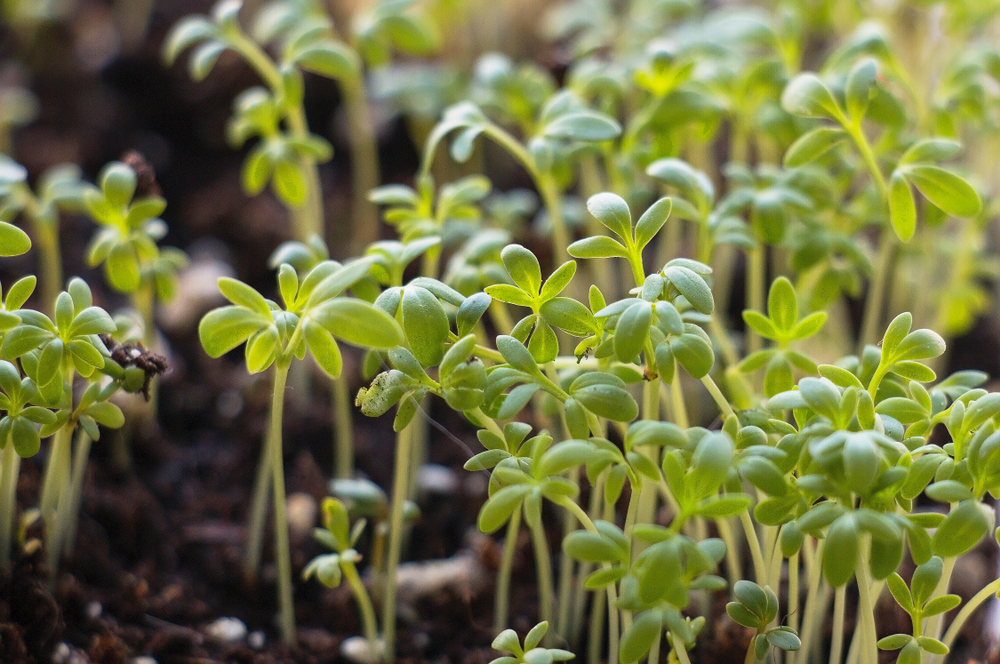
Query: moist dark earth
[158, 555]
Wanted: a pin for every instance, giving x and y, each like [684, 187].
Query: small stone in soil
[256, 639]
[358, 650]
[302, 511]
[94, 610]
[142, 660]
[434, 478]
[227, 630]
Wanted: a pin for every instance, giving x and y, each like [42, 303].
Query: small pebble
[142, 660]
[61, 654]
[302, 510]
[94, 610]
[256, 639]
[357, 649]
[421, 640]
[227, 630]
[434, 478]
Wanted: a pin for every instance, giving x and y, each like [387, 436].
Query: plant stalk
[281, 545]
[501, 601]
[401, 475]
[343, 444]
[8, 502]
[543, 569]
[369, 625]
[364, 163]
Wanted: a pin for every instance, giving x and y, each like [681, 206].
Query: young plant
[316, 313]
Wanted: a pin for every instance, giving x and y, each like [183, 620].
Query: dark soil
[159, 549]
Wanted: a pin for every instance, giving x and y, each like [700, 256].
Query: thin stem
[654, 650]
[677, 401]
[679, 649]
[839, 602]
[258, 517]
[343, 444]
[501, 601]
[875, 302]
[970, 607]
[401, 474]
[281, 546]
[50, 260]
[720, 399]
[364, 163]
[937, 622]
[866, 612]
[646, 504]
[760, 567]
[756, 268]
[55, 485]
[567, 567]
[368, 621]
[543, 569]
[793, 592]
[734, 567]
[8, 502]
[80, 456]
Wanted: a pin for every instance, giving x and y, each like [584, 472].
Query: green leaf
[941, 604]
[261, 349]
[330, 59]
[359, 323]
[186, 32]
[118, 182]
[894, 642]
[813, 145]
[692, 286]
[243, 295]
[860, 88]
[516, 355]
[742, 615]
[961, 530]
[632, 331]
[902, 207]
[590, 547]
[784, 638]
[902, 596]
[782, 307]
[558, 280]
[122, 268]
[612, 211]
[639, 637]
[290, 182]
[223, 329]
[600, 246]
[931, 149]
[523, 268]
[945, 190]
[652, 221]
[323, 347]
[808, 97]
[501, 505]
[841, 551]
[760, 324]
[694, 353]
[13, 241]
[583, 126]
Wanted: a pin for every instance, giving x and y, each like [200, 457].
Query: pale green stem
[368, 621]
[934, 629]
[281, 546]
[543, 570]
[364, 163]
[258, 517]
[839, 602]
[970, 607]
[866, 611]
[720, 399]
[307, 219]
[647, 491]
[875, 302]
[679, 649]
[50, 262]
[756, 268]
[654, 650]
[501, 601]
[760, 567]
[812, 608]
[80, 456]
[580, 591]
[344, 442]
[734, 567]
[793, 592]
[8, 502]
[677, 401]
[401, 474]
[56, 483]
[567, 566]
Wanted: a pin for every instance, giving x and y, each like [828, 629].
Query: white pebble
[227, 630]
[434, 478]
[142, 660]
[256, 639]
[302, 510]
[357, 649]
[94, 610]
